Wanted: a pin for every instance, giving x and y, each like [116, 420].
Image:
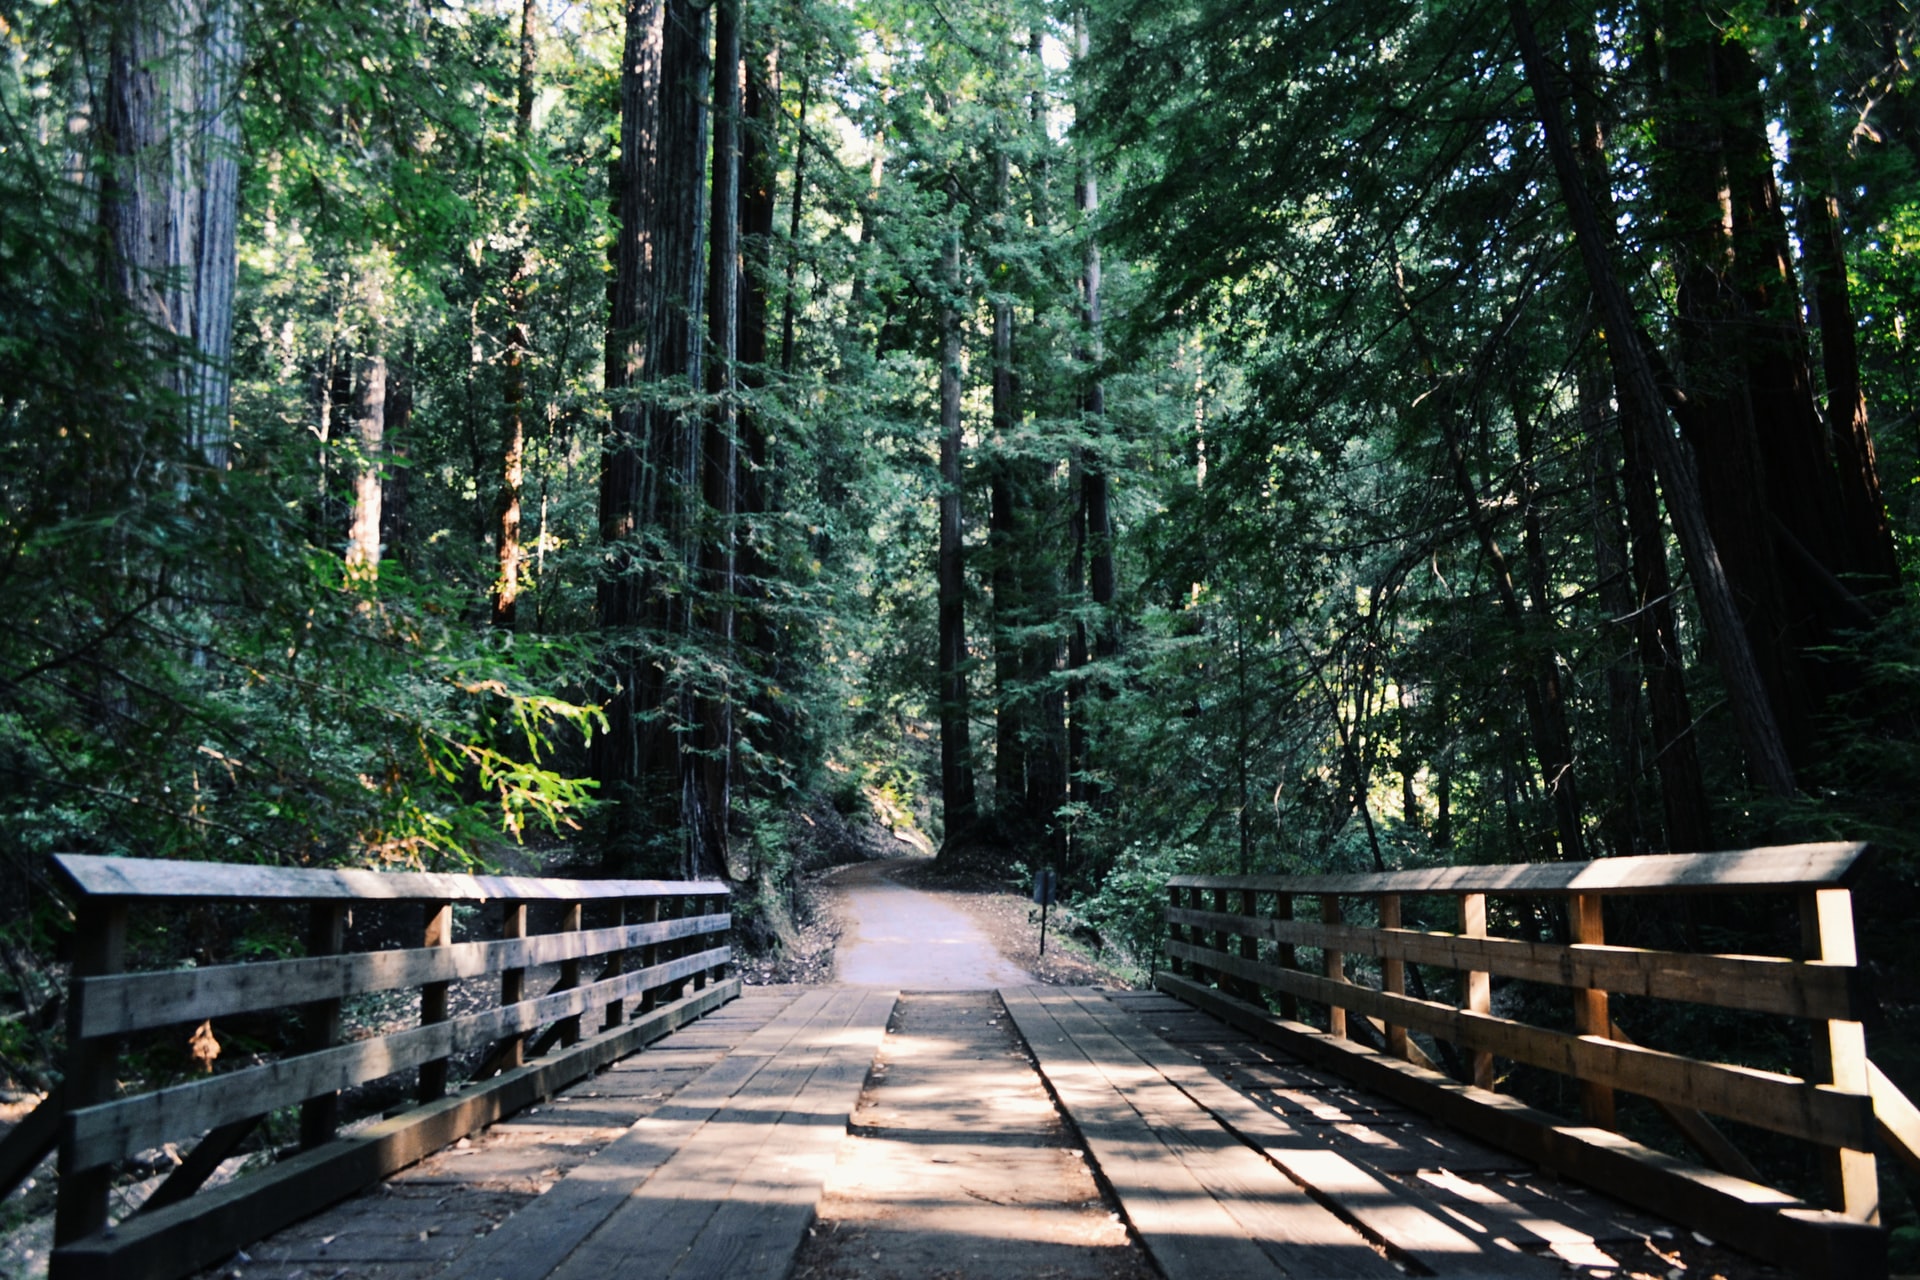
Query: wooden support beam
[433, 998]
[616, 965]
[1840, 1052]
[201, 1162]
[570, 921]
[1477, 984]
[29, 1141]
[326, 936]
[1897, 1118]
[1393, 978]
[1587, 925]
[1701, 1133]
[1285, 955]
[1334, 965]
[99, 947]
[513, 986]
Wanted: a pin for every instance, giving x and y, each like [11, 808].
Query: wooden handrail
[1209, 949]
[666, 954]
[1833, 865]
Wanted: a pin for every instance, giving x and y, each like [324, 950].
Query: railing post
[616, 965]
[100, 947]
[1222, 942]
[1249, 945]
[1333, 964]
[513, 983]
[650, 954]
[1286, 957]
[1393, 974]
[1479, 986]
[433, 998]
[1175, 932]
[326, 936]
[1840, 1051]
[570, 917]
[1590, 1017]
[718, 904]
[1198, 937]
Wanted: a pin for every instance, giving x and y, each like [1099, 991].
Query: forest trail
[910, 940]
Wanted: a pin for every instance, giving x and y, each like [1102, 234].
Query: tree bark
[956, 750]
[171, 196]
[369, 438]
[508, 551]
[719, 451]
[643, 475]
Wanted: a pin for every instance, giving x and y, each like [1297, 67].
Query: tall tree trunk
[1093, 513]
[956, 749]
[508, 552]
[719, 450]
[771, 724]
[1003, 538]
[171, 195]
[1634, 377]
[643, 490]
[1865, 535]
[1648, 601]
[369, 437]
[396, 514]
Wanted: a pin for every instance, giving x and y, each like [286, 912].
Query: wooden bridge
[654, 1118]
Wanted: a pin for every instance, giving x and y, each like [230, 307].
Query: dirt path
[908, 940]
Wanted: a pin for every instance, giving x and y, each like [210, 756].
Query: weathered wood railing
[662, 955]
[1232, 945]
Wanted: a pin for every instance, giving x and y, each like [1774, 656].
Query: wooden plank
[1835, 864]
[99, 1134]
[107, 877]
[1188, 1233]
[1768, 1223]
[669, 1214]
[1898, 1119]
[535, 1241]
[1763, 984]
[208, 1227]
[136, 1001]
[1815, 1112]
[755, 1233]
[1383, 1210]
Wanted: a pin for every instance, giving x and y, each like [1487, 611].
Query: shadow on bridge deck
[1057, 1132]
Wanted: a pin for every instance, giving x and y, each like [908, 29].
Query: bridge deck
[707, 1154]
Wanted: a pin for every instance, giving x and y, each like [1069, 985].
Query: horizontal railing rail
[1233, 943]
[658, 956]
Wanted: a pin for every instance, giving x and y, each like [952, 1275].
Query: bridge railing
[632, 959]
[1233, 946]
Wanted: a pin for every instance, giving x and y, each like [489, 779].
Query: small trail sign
[1046, 887]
